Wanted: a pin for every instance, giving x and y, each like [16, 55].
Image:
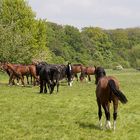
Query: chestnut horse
[9, 72]
[86, 72]
[32, 69]
[107, 90]
[19, 71]
[76, 68]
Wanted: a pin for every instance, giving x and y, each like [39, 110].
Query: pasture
[69, 115]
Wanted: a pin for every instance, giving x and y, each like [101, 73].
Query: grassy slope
[69, 115]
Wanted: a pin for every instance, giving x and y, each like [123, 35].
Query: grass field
[69, 115]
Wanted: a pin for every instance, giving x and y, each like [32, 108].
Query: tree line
[24, 38]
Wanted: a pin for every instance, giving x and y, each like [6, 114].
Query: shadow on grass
[88, 125]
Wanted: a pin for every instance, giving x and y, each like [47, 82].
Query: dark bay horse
[86, 72]
[107, 90]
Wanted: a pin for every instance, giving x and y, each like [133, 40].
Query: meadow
[69, 115]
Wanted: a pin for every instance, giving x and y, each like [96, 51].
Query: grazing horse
[18, 71]
[107, 90]
[44, 72]
[63, 71]
[5, 68]
[76, 68]
[87, 72]
[51, 74]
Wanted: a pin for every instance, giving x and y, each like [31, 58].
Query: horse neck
[12, 68]
[99, 77]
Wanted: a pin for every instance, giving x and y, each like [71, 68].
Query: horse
[63, 71]
[86, 72]
[9, 72]
[51, 74]
[18, 71]
[107, 90]
[43, 71]
[76, 68]
[32, 69]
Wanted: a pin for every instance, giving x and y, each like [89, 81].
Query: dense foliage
[24, 38]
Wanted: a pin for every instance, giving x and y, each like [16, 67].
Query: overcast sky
[108, 14]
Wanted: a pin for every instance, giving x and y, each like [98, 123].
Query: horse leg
[45, 88]
[115, 105]
[34, 81]
[89, 78]
[22, 80]
[76, 76]
[10, 78]
[41, 86]
[52, 85]
[17, 81]
[13, 79]
[107, 114]
[27, 77]
[99, 112]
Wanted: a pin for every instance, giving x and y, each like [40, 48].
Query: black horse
[51, 74]
[43, 71]
[63, 71]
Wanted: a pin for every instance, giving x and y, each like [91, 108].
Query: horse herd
[49, 76]
[46, 74]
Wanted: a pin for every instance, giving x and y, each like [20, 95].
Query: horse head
[99, 72]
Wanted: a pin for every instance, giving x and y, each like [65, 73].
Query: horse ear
[95, 67]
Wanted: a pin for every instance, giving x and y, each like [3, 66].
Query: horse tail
[117, 92]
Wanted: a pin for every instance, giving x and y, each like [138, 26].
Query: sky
[107, 14]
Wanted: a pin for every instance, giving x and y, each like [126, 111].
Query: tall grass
[69, 115]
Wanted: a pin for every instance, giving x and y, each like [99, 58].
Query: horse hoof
[100, 125]
[108, 125]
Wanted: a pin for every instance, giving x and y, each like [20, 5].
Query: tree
[25, 37]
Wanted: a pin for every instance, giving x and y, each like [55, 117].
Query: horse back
[90, 70]
[77, 68]
[103, 90]
[23, 69]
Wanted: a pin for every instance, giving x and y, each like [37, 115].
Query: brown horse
[9, 72]
[107, 90]
[32, 69]
[19, 71]
[76, 68]
[14, 70]
[86, 72]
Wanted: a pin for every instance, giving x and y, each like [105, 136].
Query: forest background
[24, 39]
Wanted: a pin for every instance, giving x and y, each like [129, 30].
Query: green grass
[69, 115]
